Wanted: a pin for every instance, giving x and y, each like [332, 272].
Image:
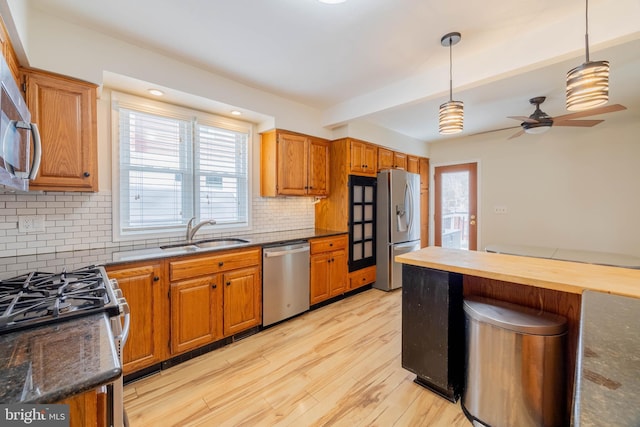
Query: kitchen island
[544, 284]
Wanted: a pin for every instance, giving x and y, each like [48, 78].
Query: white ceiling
[381, 60]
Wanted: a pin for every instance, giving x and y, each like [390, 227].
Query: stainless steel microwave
[18, 164]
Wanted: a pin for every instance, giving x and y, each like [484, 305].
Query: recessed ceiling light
[332, 1]
[236, 113]
[156, 92]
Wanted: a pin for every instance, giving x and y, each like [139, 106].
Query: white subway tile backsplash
[78, 221]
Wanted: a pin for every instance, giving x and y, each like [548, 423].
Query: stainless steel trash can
[514, 365]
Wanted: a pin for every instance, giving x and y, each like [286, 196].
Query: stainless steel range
[37, 298]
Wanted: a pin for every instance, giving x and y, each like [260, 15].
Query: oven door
[116, 415]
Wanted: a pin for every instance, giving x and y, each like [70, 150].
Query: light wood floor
[338, 365]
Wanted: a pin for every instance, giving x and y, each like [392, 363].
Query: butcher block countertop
[565, 276]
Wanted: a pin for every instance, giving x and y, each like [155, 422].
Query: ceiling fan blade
[493, 130]
[595, 111]
[579, 123]
[523, 118]
[517, 134]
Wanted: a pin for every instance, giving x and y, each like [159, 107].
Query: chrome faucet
[192, 230]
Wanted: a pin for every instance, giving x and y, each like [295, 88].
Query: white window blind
[173, 168]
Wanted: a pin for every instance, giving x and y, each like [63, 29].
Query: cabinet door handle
[214, 286]
[228, 283]
[220, 264]
[156, 278]
[86, 174]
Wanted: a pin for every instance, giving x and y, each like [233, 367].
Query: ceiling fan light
[451, 117]
[536, 130]
[588, 86]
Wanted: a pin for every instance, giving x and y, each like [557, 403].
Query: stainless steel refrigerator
[398, 224]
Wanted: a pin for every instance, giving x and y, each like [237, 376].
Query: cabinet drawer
[326, 244]
[212, 263]
[362, 277]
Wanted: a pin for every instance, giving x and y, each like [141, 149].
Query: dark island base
[448, 394]
[433, 323]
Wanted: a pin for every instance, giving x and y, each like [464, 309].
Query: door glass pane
[357, 251]
[368, 230]
[368, 212]
[455, 210]
[368, 194]
[357, 232]
[357, 194]
[357, 214]
[368, 248]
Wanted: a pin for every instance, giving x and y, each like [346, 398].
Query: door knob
[472, 222]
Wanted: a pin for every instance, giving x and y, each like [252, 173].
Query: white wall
[369, 132]
[573, 188]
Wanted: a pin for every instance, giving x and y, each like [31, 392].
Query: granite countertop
[608, 363]
[565, 276]
[72, 260]
[52, 362]
[257, 239]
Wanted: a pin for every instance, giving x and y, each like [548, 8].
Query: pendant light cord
[451, 73]
[586, 26]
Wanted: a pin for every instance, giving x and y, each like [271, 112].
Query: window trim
[124, 100]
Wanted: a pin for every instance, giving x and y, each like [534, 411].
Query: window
[175, 164]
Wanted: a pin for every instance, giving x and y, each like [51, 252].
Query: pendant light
[451, 115]
[588, 84]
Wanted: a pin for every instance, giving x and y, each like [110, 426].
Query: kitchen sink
[179, 247]
[201, 244]
[216, 243]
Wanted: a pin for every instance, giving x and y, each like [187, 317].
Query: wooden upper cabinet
[399, 160]
[9, 53]
[413, 164]
[65, 111]
[385, 158]
[389, 159]
[293, 165]
[363, 158]
[318, 167]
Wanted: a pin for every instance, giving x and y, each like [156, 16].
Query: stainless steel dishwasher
[285, 281]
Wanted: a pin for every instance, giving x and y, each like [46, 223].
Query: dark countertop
[71, 260]
[53, 362]
[608, 364]
[257, 239]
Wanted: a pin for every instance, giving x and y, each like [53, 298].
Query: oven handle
[127, 323]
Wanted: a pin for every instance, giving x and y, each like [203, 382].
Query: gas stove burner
[37, 298]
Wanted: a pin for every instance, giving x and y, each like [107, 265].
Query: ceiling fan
[540, 122]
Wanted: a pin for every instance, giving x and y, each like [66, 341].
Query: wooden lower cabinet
[145, 290]
[87, 409]
[242, 300]
[362, 277]
[196, 313]
[214, 296]
[329, 272]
